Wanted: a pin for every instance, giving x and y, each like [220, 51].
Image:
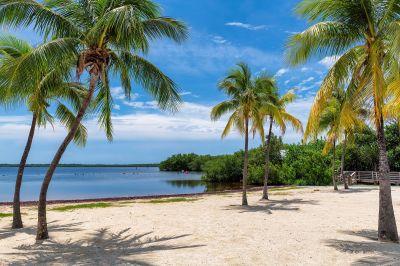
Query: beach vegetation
[71, 207]
[170, 200]
[4, 215]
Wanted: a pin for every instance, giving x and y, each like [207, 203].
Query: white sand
[297, 227]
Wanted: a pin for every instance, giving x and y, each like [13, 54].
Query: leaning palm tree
[38, 91]
[275, 111]
[244, 104]
[101, 37]
[365, 37]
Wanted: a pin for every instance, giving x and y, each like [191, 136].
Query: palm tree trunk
[246, 162]
[17, 219]
[42, 232]
[346, 185]
[267, 151]
[333, 166]
[387, 229]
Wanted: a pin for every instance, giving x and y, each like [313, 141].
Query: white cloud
[304, 69]
[300, 109]
[307, 80]
[117, 107]
[190, 123]
[329, 61]
[246, 26]
[219, 40]
[119, 94]
[292, 32]
[281, 72]
[202, 55]
[183, 93]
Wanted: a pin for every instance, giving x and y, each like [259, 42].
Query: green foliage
[82, 206]
[362, 155]
[170, 200]
[184, 162]
[3, 215]
[226, 168]
[305, 165]
[393, 146]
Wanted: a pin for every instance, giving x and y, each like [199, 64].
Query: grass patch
[169, 200]
[283, 188]
[4, 215]
[82, 206]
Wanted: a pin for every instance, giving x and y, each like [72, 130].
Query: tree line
[292, 164]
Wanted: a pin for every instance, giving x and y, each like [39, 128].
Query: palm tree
[38, 92]
[339, 118]
[101, 37]
[275, 111]
[364, 35]
[244, 105]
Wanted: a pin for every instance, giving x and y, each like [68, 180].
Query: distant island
[85, 165]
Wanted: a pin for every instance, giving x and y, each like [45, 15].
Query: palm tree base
[244, 201]
[17, 224]
[42, 235]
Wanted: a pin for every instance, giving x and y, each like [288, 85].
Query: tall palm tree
[243, 105]
[276, 112]
[365, 36]
[42, 88]
[101, 37]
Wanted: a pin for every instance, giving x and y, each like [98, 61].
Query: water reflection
[208, 187]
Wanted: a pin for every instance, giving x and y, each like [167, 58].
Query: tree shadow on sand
[377, 253]
[100, 248]
[273, 205]
[31, 230]
[357, 190]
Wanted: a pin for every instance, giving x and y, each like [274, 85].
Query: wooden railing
[369, 177]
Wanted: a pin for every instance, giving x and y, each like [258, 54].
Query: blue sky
[222, 33]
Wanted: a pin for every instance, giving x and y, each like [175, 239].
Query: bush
[184, 162]
[227, 168]
[306, 165]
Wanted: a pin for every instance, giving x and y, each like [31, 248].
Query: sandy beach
[307, 226]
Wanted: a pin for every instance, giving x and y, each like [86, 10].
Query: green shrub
[184, 162]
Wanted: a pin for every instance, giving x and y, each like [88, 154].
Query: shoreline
[115, 199]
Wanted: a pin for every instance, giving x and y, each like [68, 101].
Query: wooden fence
[369, 177]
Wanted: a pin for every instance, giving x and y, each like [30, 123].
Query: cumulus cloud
[246, 26]
[192, 122]
[119, 94]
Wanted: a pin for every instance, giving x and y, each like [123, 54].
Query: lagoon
[103, 182]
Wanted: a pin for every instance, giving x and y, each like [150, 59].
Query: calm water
[100, 182]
